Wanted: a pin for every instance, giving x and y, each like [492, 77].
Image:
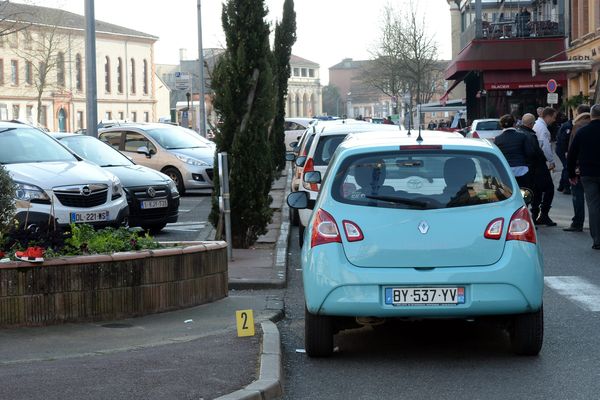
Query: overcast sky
[328, 30]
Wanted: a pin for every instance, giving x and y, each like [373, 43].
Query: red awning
[505, 80]
[504, 54]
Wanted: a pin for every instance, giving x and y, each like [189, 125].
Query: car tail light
[521, 226]
[475, 135]
[309, 166]
[353, 232]
[324, 229]
[494, 229]
[421, 147]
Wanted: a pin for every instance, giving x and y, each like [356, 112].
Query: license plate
[424, 296]
[146, 204]
[94, 216]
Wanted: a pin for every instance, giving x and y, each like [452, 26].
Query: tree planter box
[106, 287]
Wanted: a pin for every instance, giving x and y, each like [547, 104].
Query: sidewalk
[186, 354]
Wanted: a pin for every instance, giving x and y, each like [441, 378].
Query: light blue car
[427, 227]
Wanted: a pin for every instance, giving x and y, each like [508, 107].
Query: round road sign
[552, 85]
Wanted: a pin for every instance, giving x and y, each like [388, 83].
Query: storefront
[586, 83]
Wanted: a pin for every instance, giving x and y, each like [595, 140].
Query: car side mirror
[527, 195]
[290, 156]
[300, 161]
[312, 177]
[298, 200]
[144, 150]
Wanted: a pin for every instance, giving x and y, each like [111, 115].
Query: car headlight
[173, 188]
[117, 188]
[191, 161]
[31, 193]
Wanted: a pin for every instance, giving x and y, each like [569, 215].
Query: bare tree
[405, 59]
[11, 20]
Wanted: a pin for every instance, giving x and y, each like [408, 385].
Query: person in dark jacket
[562, 145]
[585, 154]
[577, 193]
[541, 176]
[517, 149]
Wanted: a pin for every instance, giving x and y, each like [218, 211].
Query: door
[132, 142]
[62, 120]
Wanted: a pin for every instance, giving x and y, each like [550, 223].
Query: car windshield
[175, 137]
[488, 126]
[433, 180]
[28, 145]
[95, 151]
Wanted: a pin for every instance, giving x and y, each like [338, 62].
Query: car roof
[487, 120]
[60, 135]
[352, 128]
[300, 119]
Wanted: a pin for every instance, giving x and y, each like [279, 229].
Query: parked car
[412, 229]
[54, 185]
[182, 154]
[484, 129]
[294, 128]
[152, 196]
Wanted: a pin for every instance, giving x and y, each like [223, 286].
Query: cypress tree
[244, 99]
[285, 37]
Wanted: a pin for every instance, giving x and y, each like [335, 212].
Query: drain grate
[117, 326]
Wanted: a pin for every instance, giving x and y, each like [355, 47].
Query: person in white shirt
[543, 192]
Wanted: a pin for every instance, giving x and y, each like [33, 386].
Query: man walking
[585, 153]
[544, 187]
[517, 149]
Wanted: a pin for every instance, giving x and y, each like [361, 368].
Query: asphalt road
[193, 224]
[449, 360]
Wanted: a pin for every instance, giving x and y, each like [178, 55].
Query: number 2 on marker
[245, 323]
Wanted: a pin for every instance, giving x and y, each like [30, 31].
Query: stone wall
[106, 287]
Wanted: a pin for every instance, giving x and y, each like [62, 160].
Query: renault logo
[423, 227]
[151, 192]
[85, 191]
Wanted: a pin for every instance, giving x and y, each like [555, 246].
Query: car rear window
[424, 180]
[488, 126]
[326, 147]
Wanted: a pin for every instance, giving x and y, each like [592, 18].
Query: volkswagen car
[418, 227]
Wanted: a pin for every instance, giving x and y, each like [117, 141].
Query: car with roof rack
[423, 226]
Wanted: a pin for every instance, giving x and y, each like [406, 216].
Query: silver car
[485, 129]
[180, 153]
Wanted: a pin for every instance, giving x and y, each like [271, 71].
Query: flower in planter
[34, 254]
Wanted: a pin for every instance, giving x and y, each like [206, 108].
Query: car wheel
[154, 229]
[318, 335]
[175, 175]
[527, 334]
[300, 235]
[294, 217]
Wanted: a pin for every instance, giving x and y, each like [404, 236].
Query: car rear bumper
[332, 286]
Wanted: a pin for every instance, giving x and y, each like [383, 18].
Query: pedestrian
[539, 111]
[543, 192]
[577, 192]
[517, 149]
[585, 154]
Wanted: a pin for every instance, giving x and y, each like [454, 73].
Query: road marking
[180, 210]
[188, 223]
[576, 289]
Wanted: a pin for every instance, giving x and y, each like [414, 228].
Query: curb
[281, 250]
[270, 382]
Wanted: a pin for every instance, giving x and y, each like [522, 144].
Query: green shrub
[7, 201]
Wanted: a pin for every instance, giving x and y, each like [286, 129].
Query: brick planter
[106, 287]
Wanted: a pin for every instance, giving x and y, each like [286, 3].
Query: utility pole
[201, 108]
[90, 70]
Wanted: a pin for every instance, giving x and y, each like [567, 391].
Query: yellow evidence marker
[245, 323]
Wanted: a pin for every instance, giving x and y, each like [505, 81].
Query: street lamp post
[201, 108]
[90, 70]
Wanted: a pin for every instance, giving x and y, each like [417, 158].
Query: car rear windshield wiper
[114, 165]
[399, 200]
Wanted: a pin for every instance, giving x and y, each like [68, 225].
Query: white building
[305, 94]
[53, 45]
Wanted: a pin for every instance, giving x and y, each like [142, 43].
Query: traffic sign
[552, 85]
[552, 98]
[182, 81]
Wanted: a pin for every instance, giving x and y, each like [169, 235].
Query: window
[28, 39]
[121, 117]
[1, 71]
[145, 77]
[134, 141]
[107, 75]
[43, 117]
[119, 75]
[3, 111]
[296, 71]
[16, 111]
[60, 69]
[79, 119]
[108, 115]
[146, 116]
[134, 116]
[326, 147]
[29, 113]
[28, 73]
[78, 73]
[13, 40]
[112, 138]
[304, 74]
[133, 77]
[311, 73]
[14, 72]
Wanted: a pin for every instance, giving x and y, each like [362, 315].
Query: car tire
[175, 175]
[527, 333]
[318, 335]
[294, 217]
[154, 229]
[300, 235]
